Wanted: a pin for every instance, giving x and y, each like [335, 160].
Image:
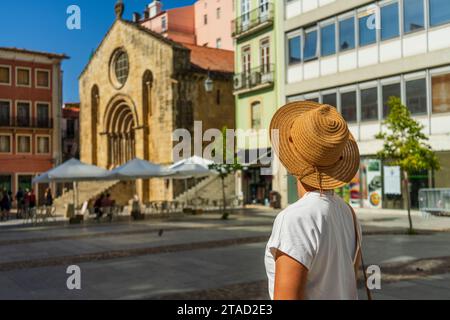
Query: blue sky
[41, 25]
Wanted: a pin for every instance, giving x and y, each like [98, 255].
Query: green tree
[405, 146]
[225, 167]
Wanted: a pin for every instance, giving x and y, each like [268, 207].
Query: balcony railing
[253, 20]
[256, 78]
[25, 122]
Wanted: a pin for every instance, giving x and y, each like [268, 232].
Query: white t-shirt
[317, 231]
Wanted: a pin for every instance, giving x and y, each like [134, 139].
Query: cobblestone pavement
[199, 257]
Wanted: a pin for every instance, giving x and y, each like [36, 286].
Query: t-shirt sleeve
[297, 237]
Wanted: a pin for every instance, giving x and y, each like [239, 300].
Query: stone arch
[120, 123]
[95, 103]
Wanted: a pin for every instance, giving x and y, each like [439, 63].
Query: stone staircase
[210, 188]
[86, 192]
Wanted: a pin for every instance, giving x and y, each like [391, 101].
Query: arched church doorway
[120, 130]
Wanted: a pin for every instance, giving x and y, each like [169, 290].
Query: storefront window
[5, 183]
[390, 90]
[369, 104]
[348, 101]
[413, 12]
[439, 12]
[390, 21]
[416, 96]
[441, 93]
[347, 34]
[328, 40]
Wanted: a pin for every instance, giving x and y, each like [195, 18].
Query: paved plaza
[203, 257]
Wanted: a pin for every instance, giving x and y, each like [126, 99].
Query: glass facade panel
[347, 34]
[439, 12]
[416, 96]
[390, 27]
[310, 50]
[295, 52]
[441, 93]
[328, 40]
[367, 30]
[413, 12]
[390, 90]
[348, 106]
[369, 104]
[330, 99]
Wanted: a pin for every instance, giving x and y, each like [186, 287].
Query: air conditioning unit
[237, 81]
[256, 78]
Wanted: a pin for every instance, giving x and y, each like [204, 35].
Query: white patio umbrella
[138, 169]
[194, 167]
[72, 171]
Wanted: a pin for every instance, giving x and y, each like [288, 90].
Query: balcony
[253, 21]
[24, 122]
[258, 78]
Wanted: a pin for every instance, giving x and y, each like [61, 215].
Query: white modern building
[355, 54]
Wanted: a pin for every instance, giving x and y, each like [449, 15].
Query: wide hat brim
[328, 178]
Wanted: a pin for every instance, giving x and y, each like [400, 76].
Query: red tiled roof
[210, 58]
[41, 53]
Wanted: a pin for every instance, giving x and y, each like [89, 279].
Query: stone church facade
[137, 88]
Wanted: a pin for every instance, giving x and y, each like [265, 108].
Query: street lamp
[209, 84]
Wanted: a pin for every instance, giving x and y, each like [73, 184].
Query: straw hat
[314, 143]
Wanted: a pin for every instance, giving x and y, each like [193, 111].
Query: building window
[23, 144]
[390, 90]
[120, 68]
[43, 145]
[310, 49]
[70, 128]
[265, 55]
[390, 25]
[25, 182]
[246, 60]
[5, 182]
[43, 115]
[219, 43]
[295, 52]
[5, 143]
[347, 34]
[328, 40]
[205, 19]
[23, 114]
[413, 12]
[43, 79]
[164, 23]
[330, 99]
[367, 31]
[23, 77]
[218, 13]
[369, 104]
[348, 106]
[441, 93]
[256, 115]
[218, 97]
[5, 113]
[5, 75]
[439, 12]
[416, 96]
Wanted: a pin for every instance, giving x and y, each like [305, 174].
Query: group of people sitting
[25, 201]
[102, 204]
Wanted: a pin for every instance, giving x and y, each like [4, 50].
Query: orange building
[30, 109]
